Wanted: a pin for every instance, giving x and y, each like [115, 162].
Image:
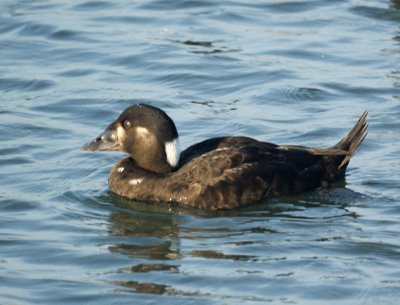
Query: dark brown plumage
[218, 173]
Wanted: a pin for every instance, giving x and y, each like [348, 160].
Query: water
[291, 72]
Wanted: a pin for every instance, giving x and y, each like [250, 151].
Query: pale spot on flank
[120, 169]
[135, 181]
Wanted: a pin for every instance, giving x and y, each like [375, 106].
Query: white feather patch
[135, 181]
[121, 134]
[142, 131]
[172, 151]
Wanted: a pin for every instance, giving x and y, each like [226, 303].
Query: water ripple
[9, 84]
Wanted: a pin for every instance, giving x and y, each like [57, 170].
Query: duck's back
[234, 171]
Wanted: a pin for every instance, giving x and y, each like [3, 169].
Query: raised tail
[353, 140]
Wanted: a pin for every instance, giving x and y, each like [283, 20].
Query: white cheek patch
[135, 181]
[172, 151]
[121, 134]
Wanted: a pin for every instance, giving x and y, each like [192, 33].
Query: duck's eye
[127, 124]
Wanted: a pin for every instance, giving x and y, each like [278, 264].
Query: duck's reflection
[149, 237]
[149, 288]
[147, 231]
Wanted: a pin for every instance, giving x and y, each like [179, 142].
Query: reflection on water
[149, 288]
[219, 255]
[166, 242]
[140, 228]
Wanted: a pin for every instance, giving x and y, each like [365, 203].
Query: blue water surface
[289, 72]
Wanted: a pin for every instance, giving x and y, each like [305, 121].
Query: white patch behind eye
[172, 151]
[142, 131]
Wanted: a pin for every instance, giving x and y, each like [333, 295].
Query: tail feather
[353, 140]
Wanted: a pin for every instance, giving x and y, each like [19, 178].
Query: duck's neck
[160, 159]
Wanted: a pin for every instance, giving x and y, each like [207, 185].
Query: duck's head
[147, 133]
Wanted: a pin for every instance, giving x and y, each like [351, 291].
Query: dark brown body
[225, 173]
[219, 173]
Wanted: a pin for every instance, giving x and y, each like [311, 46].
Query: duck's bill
[108, 140]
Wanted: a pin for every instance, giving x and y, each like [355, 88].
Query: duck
[219, 173]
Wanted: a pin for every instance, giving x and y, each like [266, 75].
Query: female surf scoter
[218, 173]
